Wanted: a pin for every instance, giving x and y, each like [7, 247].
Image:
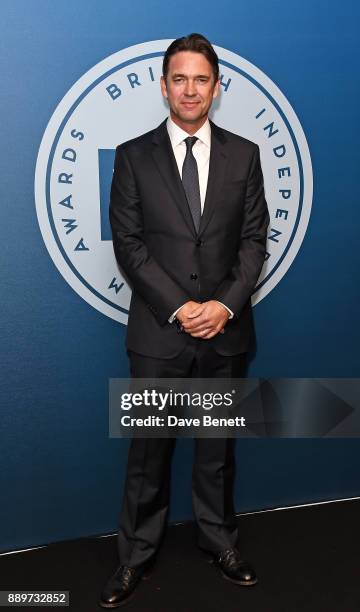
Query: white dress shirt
[201, 152]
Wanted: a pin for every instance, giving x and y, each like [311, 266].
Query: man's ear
[163, 86]
[216, 89]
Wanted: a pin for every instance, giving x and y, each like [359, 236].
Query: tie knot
[190, 141]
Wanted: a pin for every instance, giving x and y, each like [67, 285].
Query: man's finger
[213, 332]
[201, 334]
[198, 328]
[199, 324]
[210, 335]
[196, 312]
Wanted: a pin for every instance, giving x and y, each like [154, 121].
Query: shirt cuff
[228, 309]
[172, 318]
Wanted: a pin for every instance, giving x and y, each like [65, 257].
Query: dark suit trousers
[147, 487]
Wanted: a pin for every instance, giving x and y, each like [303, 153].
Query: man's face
[190, 87]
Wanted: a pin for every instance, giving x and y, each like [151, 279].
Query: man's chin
[191, 118]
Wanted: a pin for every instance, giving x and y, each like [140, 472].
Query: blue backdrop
[61, 476]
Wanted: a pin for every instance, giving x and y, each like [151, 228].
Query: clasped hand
[203, 320]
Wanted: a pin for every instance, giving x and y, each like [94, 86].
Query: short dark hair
[196, 43]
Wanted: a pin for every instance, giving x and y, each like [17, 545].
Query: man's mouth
[190, 104]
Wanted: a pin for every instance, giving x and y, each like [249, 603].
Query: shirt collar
[178, 135]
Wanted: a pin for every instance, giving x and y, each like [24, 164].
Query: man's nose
[190, 88]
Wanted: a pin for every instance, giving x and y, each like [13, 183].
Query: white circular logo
[119, 99]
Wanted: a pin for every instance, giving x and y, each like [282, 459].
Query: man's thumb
[196, 312]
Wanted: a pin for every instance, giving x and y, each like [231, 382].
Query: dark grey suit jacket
[166, 261]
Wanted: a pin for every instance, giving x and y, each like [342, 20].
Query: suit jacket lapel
[165, 160]
[217, 167]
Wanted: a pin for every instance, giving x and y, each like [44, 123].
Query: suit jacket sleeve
[160, 292]
[237, 287]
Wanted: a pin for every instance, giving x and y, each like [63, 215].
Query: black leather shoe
[234, 569]
[121, 586]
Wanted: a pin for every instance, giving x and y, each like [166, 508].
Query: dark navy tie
[190, 179]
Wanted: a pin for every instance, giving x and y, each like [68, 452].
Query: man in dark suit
[189, 221]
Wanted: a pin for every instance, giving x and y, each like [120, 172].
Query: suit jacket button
[193, 276]
[199, 243]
